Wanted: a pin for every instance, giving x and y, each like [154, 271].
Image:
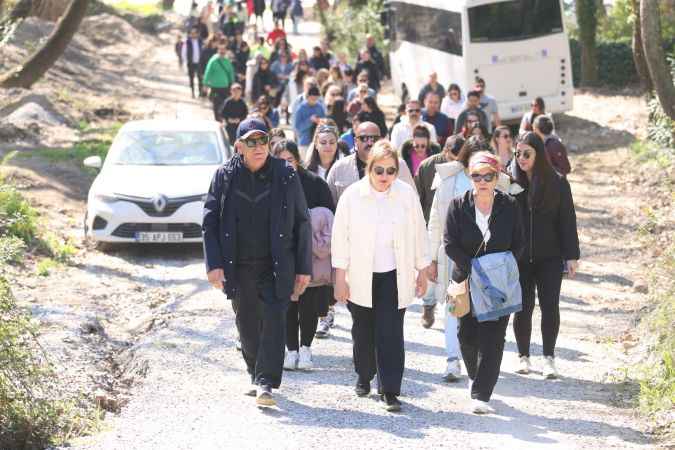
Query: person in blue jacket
[258, 249]
[306, 119]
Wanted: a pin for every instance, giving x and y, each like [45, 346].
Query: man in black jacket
[258, 249]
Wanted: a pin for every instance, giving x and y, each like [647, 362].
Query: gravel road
[192, 397]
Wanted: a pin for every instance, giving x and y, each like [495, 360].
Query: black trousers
[303, 316]
[261, 321]
[546, 277]
[218, 97]
[482, 346]
[377, 334]
[193, 71]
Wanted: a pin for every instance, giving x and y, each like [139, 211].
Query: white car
[153, 183]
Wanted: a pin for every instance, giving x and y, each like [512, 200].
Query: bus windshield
[514, 20]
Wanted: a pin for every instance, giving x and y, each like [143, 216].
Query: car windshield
[166, 148]
[514, 20]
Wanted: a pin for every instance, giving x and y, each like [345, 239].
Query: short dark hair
[473, 93]
[289, 146]
[480, 80]
[472, 145]
[544, 124]
[422, 132]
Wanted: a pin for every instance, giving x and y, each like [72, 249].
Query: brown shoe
[428, 317]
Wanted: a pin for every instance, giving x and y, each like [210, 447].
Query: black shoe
[392, 403]
[362, 388]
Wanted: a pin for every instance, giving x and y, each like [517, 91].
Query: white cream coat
[353, 241]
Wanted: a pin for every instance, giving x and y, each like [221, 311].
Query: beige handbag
[457, 298]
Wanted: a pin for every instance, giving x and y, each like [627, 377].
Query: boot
[428, 316]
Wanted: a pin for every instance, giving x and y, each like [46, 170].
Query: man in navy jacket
[258, 249]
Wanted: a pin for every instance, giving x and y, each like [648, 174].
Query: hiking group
[445, 205]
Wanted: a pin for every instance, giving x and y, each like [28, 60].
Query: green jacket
[423, 180]
[219, 72]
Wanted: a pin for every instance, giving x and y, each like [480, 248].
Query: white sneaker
[305, 359]
[549, 371]
[453, 372]
[524, 365]
[291, 360]
[323, 329]
[480, 407]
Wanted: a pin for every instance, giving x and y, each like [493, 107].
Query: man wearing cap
[258, 249]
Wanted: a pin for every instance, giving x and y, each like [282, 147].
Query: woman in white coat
[379, 242]
[452, 180]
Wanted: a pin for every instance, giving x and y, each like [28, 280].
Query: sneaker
[323, 329]
[480, 407]
[524, 365]
[428, 316]
[264, 396]
[391, 403]
[331, 316]
[453, 372]
[549, 371]
[304, 360]
[291, 360]
[362, 388]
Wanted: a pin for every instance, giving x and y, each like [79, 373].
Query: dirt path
[173, 336]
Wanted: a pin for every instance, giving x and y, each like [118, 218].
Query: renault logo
[159, 202]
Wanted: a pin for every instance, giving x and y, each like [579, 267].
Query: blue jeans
[451, 339]
[429, 298]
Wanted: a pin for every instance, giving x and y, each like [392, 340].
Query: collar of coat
[365, 189]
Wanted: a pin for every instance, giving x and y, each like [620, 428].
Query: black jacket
[463, 238]
[316, 190]
[290, 228]
[550, 233]
[261, 79]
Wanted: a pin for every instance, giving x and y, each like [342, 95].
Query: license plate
[158, 237]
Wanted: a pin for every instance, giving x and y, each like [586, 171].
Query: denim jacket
[494, 286]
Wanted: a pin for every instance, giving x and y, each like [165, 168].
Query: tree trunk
[659, 71]
[638, 50]
[588, 23]
[44, 58]
[49, 9]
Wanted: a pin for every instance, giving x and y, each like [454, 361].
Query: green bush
[33, 414]
[11, 249]
[17, 217]
[615, 63]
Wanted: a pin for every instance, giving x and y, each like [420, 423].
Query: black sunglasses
[253, 142]
[379, 170]
[525, 154]
[414, 110]
[487, 177]
[368, 137]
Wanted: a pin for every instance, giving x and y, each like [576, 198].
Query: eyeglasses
[525, 154]
[379, 170]
[253, 142]
[368, 137]
[420, 145]
[414, 110]
[487, 177]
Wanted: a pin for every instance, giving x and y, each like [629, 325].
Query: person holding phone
[552, 246]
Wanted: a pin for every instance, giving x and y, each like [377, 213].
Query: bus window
[514, 20]
[430, 27]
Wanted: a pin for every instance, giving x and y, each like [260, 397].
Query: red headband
[484, 159]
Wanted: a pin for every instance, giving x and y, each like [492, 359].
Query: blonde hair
[382, 150]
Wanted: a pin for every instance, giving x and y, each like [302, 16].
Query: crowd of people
[445, 205]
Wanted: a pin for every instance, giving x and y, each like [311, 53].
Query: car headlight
[106, 198]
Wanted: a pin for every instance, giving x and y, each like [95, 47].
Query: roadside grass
[146, 8]
[656, 372]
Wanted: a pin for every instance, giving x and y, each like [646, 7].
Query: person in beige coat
[379, 242]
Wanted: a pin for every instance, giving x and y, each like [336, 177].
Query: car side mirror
[93, 161]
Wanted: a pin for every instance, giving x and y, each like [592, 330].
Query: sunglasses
[253, 142]
[379, 170]
[368, 137]
[525, 154]
[487, 177]
[414, 110]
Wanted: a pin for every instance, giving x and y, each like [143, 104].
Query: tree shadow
[578, 131]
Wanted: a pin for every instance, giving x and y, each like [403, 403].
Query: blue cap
[249, 126]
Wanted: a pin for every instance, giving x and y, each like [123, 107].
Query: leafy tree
[588, 22]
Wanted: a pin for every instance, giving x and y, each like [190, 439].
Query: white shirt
[385, 258]
[483, 222]
[320, 171]
[451, 108]
[195, 51]
[403, 131]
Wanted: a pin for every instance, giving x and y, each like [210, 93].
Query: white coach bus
[519, 47]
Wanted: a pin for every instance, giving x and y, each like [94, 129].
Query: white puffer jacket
[444, 185]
